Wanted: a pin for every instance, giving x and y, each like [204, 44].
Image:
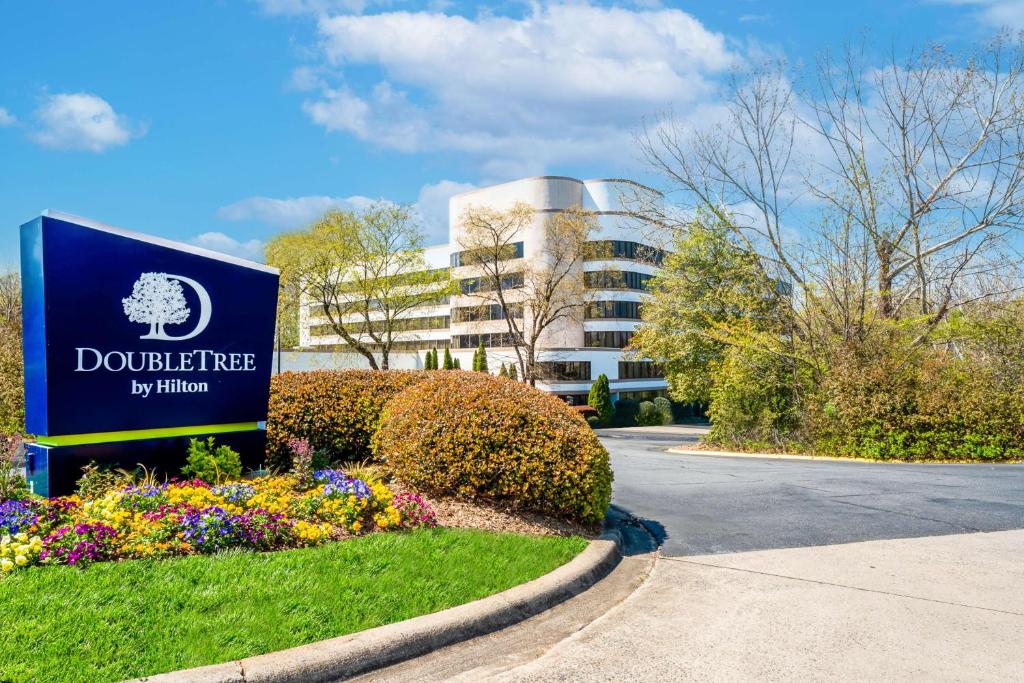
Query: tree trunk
[885, 307]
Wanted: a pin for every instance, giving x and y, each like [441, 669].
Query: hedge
[476, 435]
[337, 410]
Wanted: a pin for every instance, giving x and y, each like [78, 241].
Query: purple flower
[336, 483]
[15, 516]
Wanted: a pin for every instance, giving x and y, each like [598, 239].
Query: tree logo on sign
[158, 299]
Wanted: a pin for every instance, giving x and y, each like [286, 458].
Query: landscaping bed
[128, 619]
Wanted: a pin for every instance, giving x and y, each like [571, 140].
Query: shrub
[648, 415]
[664, 409]
[337, 411]
[477, 435]
[626, 411]
[600, 398]
[97, 480]
[594, 421]
[212, 463]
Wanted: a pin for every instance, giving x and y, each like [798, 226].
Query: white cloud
[431, 207]
[566, 82]
[225, 244]
[299, 7]
[994, 13]
[291, 213]
[81, 121]
[6, 118]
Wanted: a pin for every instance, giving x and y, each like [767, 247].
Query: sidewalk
[925, 609]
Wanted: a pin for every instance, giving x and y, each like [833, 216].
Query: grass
[121, 620]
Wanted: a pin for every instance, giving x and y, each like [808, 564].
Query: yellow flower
[21, 560]
[6, 565]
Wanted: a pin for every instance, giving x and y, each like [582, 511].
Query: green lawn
[121, 620]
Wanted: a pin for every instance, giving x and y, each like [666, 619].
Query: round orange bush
[336, 410]
[474, 435]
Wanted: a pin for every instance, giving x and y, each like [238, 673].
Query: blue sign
[130, 338]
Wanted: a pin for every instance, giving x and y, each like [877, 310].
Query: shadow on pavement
[639, 536]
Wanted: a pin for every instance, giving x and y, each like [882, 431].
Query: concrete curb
[358, 653]
[831, 458]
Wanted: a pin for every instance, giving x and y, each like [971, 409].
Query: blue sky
[225, 122]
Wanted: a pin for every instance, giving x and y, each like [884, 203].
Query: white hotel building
[572, 353]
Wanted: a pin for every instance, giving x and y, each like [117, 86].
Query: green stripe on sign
[139, 434]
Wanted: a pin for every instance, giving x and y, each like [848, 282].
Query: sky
[222, 123]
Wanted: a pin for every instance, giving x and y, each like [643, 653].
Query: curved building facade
[621, 259]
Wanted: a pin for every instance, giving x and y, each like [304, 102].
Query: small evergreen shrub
[626, 411]
[449, 364]
[337, 411]
[479, 436]
[600, 399]
[648, 415]
[212, 463]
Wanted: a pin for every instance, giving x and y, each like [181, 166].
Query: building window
[490, 339]
[625, 310]
[574, 399]
[564, 371]
[622, 249]
[607, 339]
[472, 285]
[375, 305]
[647, 395]
[616, 279]
[432, 322]
[412, 345]
[468, 258]
[640, 370]
[469, 314]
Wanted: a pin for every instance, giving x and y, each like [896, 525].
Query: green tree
[711, 293]
[362, 273]
[600, 399]
[449, 364]
[456, 365]
[504, 371]
[480, 358]
[721, 327]
[512, 372]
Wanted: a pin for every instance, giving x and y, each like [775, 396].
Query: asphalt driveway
[711, 504]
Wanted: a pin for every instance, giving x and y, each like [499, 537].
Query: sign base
[55, 470]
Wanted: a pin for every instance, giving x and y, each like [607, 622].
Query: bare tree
[10, 298]
[364, 273]
[536, 294]
[881, 194]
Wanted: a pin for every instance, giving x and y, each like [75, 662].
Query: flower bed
[193, 517]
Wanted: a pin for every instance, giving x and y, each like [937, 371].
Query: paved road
[709, 504]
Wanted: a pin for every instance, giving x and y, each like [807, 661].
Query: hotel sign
[129, 337]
